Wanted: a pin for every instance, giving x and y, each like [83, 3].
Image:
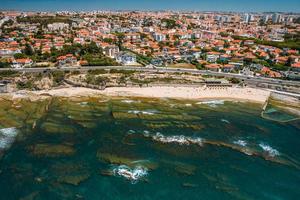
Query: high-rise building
[276, 18]
[265, 18]
[248, 18]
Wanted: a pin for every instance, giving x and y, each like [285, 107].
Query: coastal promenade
[245, 78]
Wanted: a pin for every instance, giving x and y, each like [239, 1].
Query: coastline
[174, 92]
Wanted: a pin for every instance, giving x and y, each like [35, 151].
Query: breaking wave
[268, 149]
[213, 103]
[132, 174]
[179, 139]
[7, 137]
[141, 112]
[128, 101]
[242, 143]
[225, 121]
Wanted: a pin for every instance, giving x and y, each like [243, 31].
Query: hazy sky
[201, 5]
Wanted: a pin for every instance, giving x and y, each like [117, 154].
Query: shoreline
[175, 92]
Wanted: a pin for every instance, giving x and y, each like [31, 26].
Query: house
[237, 65]
[228, 68]
[212, 57]
[224, 57]
[126, 58]
[67, 59]
[248, 42]
[159, 37]
[21, 63]
[295, 67]
[268, 72]
[213, 67]
[111, 51]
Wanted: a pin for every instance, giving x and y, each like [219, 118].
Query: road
[248, 79]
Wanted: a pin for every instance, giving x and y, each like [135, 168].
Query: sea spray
[242, 143]
[213, 103]
[179, 139]
[225, 121]
[7, 137]
[269, 150]
[141, 112]
[132, 174]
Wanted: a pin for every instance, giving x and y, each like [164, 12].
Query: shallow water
[146, 149]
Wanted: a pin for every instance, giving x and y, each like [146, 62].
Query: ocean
[139, 148]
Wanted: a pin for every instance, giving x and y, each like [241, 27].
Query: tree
[29, 51]
[120, 38]
[19, 56]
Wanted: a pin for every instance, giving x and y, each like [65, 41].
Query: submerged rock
[118, 160]
[50, 150]
[189, 185]
[51, 127]
[73, 179]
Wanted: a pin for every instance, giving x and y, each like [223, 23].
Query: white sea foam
[225, 121]
[179, 139]
[188, 105]
[7, 137]
[132, 174]
[150, 112]
[130, 132]
[212, 103]
[271, 151]
[83, 104]
[240, 143]
[128, 101]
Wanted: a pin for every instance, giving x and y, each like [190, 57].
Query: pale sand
[181, 92]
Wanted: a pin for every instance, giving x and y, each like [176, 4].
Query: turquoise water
[150, 149]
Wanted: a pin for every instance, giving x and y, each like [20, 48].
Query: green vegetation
[170, 23]
[58, 77]
[97, 71]
[288, 43]
[234, 80]
[25, 85]
[118, 71]
[278, 67]
[44, 20]
[8, 73]
[99, 60]
[4, 63]
[95, 80]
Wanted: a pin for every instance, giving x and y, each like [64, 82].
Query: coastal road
[248, 79]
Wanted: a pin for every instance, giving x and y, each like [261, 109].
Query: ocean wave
[7, 137]
[268, 149]
[128, 101]
[212, 103]
[242, 143]
[132, 174]
[83, 103]
[225, 121]
[130, 132]
[179, 139]
[142, 112]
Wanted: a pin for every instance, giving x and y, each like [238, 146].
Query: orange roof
[23, 60]
[296, 65]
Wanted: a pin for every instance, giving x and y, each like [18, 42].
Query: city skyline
[189, 5]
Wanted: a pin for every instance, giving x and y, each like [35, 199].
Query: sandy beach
[177, 92]
[191, 92]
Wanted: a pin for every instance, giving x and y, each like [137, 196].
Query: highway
[255, 80]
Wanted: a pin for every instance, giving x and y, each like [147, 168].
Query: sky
[192, 5]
